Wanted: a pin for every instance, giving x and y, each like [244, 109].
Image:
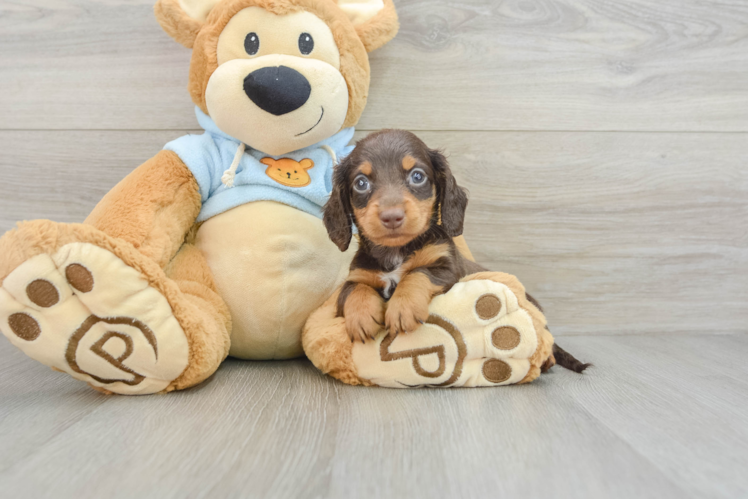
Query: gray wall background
[604, 143]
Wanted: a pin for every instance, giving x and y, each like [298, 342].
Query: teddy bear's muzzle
[277, 90]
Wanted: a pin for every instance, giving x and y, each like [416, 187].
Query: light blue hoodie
[209, 155]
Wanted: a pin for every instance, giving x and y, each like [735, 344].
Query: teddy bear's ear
[375, 20]
[182, 19]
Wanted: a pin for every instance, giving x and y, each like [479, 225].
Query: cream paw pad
[85, 312]
[476, 335]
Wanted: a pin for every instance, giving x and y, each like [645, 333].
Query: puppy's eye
[252, 43]
[306, 43]
[417, 177]
[361, 184]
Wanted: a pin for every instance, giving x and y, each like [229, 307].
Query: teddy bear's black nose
[277, 90]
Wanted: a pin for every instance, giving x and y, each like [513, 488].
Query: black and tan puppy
[407, 206]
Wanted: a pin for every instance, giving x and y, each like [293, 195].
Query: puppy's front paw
[406, 314]
[362, 327]
[364, 313]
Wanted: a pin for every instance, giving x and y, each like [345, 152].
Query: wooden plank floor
[658, 416]
[605, 146]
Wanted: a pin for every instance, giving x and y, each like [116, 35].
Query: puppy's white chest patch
[391, 279]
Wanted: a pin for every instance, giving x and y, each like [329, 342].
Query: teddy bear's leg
[191, 273]
[93, 300]
[483, 332]
[96, 308]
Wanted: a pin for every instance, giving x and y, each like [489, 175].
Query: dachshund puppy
[407, 207]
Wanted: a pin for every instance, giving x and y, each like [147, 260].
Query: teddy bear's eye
[252, 43]
[306, 43]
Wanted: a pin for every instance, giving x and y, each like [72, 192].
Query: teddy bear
[216, 247]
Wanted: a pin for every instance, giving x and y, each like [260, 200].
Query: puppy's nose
[392, 218]
[277, 90]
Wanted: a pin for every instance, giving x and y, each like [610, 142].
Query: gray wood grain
[653, 418]
[605, 147]
[613, 232]
[24, 386]
[474, 64]
[678, 400]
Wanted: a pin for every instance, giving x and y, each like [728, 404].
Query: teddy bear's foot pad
[476, 335]
[85, 312]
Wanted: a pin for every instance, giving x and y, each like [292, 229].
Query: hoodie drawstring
[228, 176]
[331, 152]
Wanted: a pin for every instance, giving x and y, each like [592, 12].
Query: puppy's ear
[452, 198]
[337, 211]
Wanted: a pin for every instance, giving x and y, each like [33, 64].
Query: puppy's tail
[568, 361]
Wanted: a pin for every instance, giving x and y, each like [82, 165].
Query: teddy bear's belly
[273, 265]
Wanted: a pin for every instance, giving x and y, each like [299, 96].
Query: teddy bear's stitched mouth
[320, 119]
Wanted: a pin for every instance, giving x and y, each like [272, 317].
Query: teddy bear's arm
[152, 208]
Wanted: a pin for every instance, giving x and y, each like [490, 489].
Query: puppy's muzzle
[392, 218]
[277, 90]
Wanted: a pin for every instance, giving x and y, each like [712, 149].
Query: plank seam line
[529, 131]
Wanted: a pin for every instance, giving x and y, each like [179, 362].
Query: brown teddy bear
[215, 246]
[202, 251]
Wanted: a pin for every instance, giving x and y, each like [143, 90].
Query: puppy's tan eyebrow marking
[408, 162]
[365, 168]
